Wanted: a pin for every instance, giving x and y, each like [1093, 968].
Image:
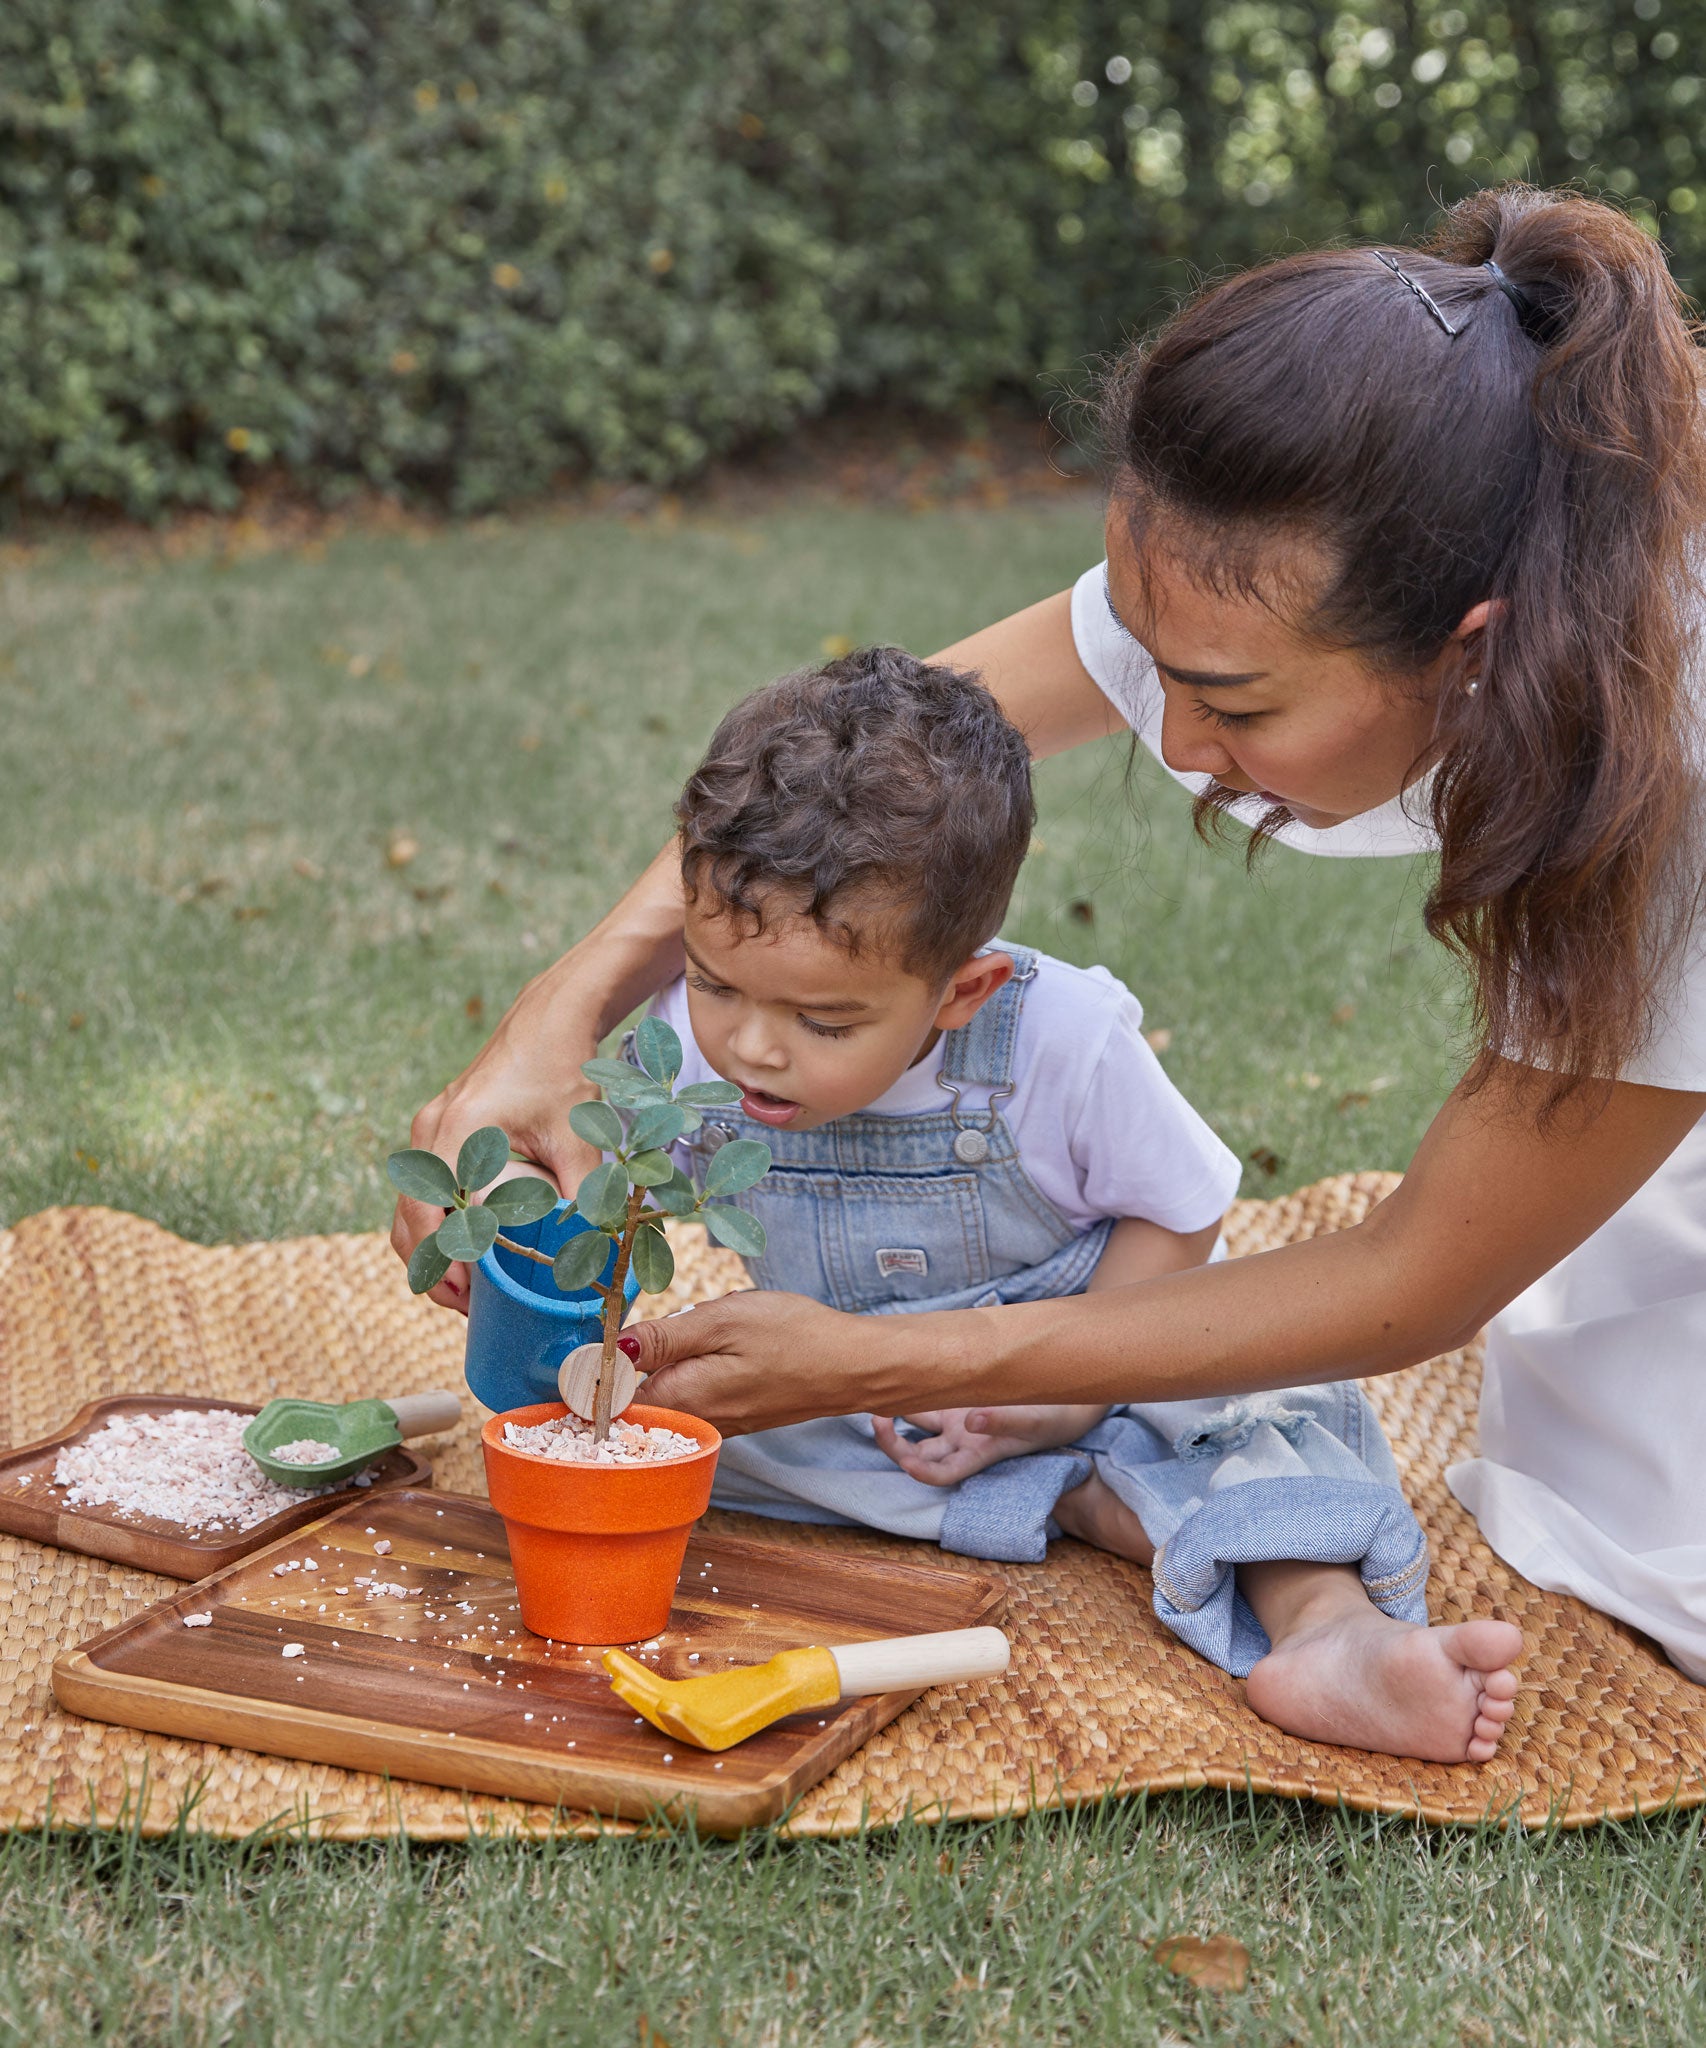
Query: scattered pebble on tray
[305, 1450]
[187, 1466]
[198, 1621]
[294, 1650]
[383, 1547]
[571, 1441]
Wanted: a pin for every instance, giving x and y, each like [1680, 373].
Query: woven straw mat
[1100, 1698]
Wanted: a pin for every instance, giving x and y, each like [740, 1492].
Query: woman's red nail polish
[628, 1346]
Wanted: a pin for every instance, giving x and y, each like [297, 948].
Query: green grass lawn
[281, 837]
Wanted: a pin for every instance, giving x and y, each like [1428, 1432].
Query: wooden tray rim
[83, 1687]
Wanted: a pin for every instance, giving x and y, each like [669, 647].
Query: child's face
[807, 1031]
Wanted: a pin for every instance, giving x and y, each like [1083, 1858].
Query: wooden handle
[901, 1663]
[425, 1414]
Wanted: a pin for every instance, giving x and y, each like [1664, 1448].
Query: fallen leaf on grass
[75, 1021]
[650, 2036]
[400, 849]
[474, 1009]
[1269, 1161]
[1344, 1013]
[309, 870]
[243, 912]
[1081, 910]
[1159, 1039]
[1217, 1964]
[836, 644]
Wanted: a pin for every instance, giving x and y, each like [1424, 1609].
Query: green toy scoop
[360, 1431]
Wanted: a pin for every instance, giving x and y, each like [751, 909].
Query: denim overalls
[893, 1215]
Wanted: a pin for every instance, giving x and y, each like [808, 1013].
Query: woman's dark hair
[888, 800]
[1548, 457]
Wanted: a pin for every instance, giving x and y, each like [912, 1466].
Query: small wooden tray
[30, 1504]
[446, 1686]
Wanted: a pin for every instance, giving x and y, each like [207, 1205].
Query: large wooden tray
[30, 1504]
[446, 1686]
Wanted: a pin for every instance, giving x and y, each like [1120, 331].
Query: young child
[957, 1123]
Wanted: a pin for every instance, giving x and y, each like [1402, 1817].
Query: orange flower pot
[597, 1549]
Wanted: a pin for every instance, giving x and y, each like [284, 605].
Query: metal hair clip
[1404, 278]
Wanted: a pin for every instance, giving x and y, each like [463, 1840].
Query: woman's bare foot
[1342, 1671]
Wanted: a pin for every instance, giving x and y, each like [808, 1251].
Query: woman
[1399, 552]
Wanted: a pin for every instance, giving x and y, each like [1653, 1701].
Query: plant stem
[613, 1306]
[525, 1251]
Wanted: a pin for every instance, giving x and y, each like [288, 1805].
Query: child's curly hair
[887, 800]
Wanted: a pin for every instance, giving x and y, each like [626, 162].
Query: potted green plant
[597, 1530]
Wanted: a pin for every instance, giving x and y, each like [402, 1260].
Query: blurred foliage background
[467, 248]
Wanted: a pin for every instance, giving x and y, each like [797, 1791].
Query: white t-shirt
[1099, 1127]
[1675, 1056]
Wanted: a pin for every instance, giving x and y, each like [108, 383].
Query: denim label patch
[901, 1259]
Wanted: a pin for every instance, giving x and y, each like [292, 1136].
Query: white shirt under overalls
[1593, 1401]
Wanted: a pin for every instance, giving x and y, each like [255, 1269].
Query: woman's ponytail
[1567, 801]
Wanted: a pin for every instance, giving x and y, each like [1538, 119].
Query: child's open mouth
[765, 1108]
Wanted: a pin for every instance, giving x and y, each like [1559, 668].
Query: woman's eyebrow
[1208, 678]
[1198, 678]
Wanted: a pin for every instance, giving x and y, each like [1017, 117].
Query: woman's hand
[757, 1360]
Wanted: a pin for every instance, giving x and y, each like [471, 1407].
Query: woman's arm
[1491, 1201]
[527, 1075]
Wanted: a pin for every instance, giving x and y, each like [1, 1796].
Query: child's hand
[965, 1440]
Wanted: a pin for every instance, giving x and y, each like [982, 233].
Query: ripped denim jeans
[1304, 1474]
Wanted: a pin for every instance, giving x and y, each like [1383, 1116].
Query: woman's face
[1254, 703]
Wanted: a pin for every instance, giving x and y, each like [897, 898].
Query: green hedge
[464, 248]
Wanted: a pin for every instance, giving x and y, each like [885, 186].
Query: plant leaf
[650, 1169]
[692, 1118]
[658, 1049]
[676, 1196]
[741, 1163]
[656, 1129]
[604, 1071]
[624, 1085]
[653, 1261]
[467, 1234]
[484, 1155]
[423, 1177]
[708, 1094]
[602, 1198]
[598, 1124]
[739, 1231]
[427, 1265]
[580, 1261]
[515, 1202]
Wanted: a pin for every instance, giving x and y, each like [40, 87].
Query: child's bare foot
[1094, 1513]
[965, 1440]
[1345, 1672]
